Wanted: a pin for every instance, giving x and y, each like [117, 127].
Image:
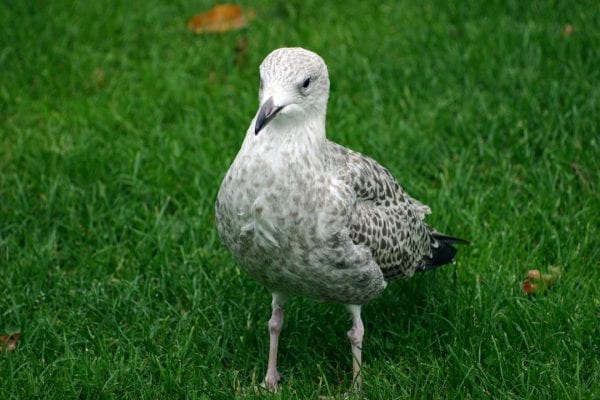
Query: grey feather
[305, 216]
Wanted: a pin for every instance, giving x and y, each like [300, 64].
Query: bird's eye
[306, 83]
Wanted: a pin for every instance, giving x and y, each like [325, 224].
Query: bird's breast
[287, 227]
[267, 198]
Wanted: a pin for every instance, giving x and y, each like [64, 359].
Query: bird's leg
[356, 337]
[275, 324]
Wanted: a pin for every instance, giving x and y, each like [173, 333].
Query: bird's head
[294, 85]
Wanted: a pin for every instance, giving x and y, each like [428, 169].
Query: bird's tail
[442, 251]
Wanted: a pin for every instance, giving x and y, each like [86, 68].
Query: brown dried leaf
[530, 288]
[536, 282]
[221, 18]
[555, 272]
[241, 51]
[242, 46]
[534, 274]
[582, 175]
[568, 30]
[9, 342]
[99, 77]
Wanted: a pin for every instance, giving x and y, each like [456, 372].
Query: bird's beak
[266, 113]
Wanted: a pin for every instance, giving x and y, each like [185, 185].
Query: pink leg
[275, 325]
[356, 338]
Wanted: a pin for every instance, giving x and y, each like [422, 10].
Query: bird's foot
[272, 380]
[357, 383]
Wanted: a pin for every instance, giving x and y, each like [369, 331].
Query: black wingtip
[448, 239]
[442, 251]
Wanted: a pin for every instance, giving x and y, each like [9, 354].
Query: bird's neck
[290, 137]
[308, 133]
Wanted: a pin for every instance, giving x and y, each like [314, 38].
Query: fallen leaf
[529, 288]
[99, 77]
[221, 18]
[9, 342]
[536, 282]
[555, 272]
[582, 175]
[568, 30]
[241, 51]
[534, 274]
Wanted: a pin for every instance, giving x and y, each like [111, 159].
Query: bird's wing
[386, 219]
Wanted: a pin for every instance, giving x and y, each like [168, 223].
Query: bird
[305, 216]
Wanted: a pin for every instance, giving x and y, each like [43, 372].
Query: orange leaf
[536, 282]
[534, 274]
[221, 18]
[9, 342]
[530, 288]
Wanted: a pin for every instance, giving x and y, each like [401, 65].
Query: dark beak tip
[266, 113]
[259, 125]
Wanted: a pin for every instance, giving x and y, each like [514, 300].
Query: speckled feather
[305, 216]
[387, 220]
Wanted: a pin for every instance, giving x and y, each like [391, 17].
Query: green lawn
[117, 125]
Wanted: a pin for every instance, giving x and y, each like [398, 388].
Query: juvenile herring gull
[307, 217]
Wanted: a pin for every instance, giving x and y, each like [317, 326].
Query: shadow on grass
[412, 316]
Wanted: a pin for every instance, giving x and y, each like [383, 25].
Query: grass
[117, 125]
